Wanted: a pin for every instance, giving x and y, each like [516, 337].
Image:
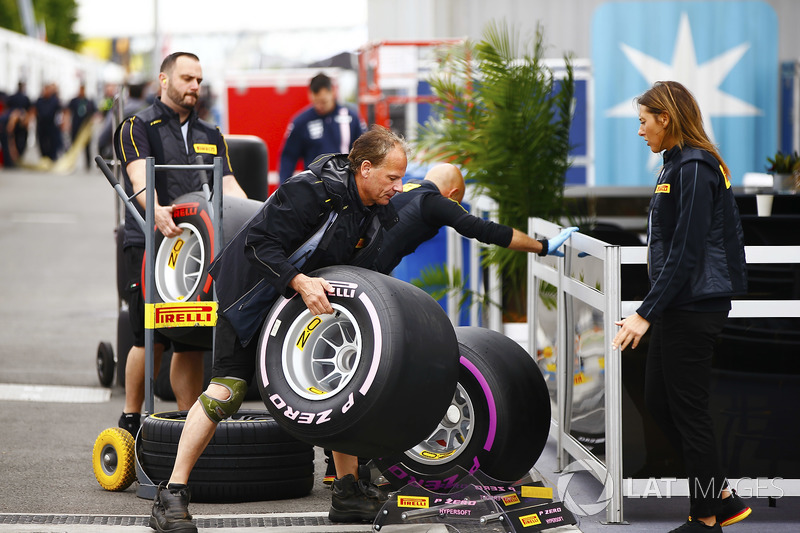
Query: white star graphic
[702, 80]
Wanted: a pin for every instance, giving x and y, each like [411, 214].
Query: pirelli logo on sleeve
[180, 314]
[200, 148]
[664, 187]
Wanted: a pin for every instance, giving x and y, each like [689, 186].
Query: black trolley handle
[121, 192]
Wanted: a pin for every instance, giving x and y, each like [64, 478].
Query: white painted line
[53, 393]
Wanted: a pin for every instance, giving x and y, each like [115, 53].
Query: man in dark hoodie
[340, 200]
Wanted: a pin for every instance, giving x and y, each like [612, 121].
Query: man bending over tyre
[427, 205]
[341, 206]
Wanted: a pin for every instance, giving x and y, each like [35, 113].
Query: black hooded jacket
[315, 219]
[695, 242]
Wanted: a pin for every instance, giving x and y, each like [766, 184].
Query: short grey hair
[374, 146]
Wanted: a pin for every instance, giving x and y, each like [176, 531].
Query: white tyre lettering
[350, 401]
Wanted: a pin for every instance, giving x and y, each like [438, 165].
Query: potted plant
[785, 170]
[503, 117]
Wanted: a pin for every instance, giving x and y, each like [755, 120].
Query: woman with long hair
[696, 263]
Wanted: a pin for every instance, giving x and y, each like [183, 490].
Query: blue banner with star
[725, 53]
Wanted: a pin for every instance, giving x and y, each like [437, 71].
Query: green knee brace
[219, 410]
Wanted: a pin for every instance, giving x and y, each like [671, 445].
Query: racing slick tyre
[182, 262]
[250, 458]
[249, 157]
[114, 459]
[371, 379]
[498, 420]
[105, 363]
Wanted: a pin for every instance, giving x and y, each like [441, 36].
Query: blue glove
[550, 246]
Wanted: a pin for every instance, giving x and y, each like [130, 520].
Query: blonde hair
[686, 120]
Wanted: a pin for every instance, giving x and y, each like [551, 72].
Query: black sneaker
[130, 422]
[171, 511]
[695, 526]
[732, 510]
[353, 501]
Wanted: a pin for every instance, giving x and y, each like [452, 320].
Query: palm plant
[504, 118]
[440, 282]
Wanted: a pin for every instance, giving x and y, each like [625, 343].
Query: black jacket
[156, 131]
[694, 235]
[423, 211]
[314, 219]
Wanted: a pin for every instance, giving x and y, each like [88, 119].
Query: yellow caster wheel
[114, 459]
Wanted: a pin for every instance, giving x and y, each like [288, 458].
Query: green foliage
[784, 163]
[58, 17]
[439, 282]
[503, 118]
[9, 16]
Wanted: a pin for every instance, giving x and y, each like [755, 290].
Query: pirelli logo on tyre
[180, 315]
[185, 210]
[415, 502]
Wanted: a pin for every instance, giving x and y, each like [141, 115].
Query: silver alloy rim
[451, 436]
[322, 353]
[179, 264]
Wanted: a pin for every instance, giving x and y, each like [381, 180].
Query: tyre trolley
[114, 457]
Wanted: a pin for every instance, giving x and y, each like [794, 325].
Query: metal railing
[603, 294]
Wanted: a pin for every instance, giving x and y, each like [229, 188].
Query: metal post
[613, 384]
[567, 339]
[149, 277]
[217, 222]
[532, 296]
[562, 367]
[217, 203]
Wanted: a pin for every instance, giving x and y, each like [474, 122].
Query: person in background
[427, 205]
[20, 121]
[48, 116]
[79, 111]
[324, 127]
[170, 131]
[134, 102]
[696, 264]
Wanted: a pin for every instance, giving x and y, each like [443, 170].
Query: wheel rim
[179, 264]
[321, 353]
[451, 436]
[109, 460]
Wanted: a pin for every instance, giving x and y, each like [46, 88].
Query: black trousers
[677, 380]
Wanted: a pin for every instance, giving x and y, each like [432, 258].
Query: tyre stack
[250, 458]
